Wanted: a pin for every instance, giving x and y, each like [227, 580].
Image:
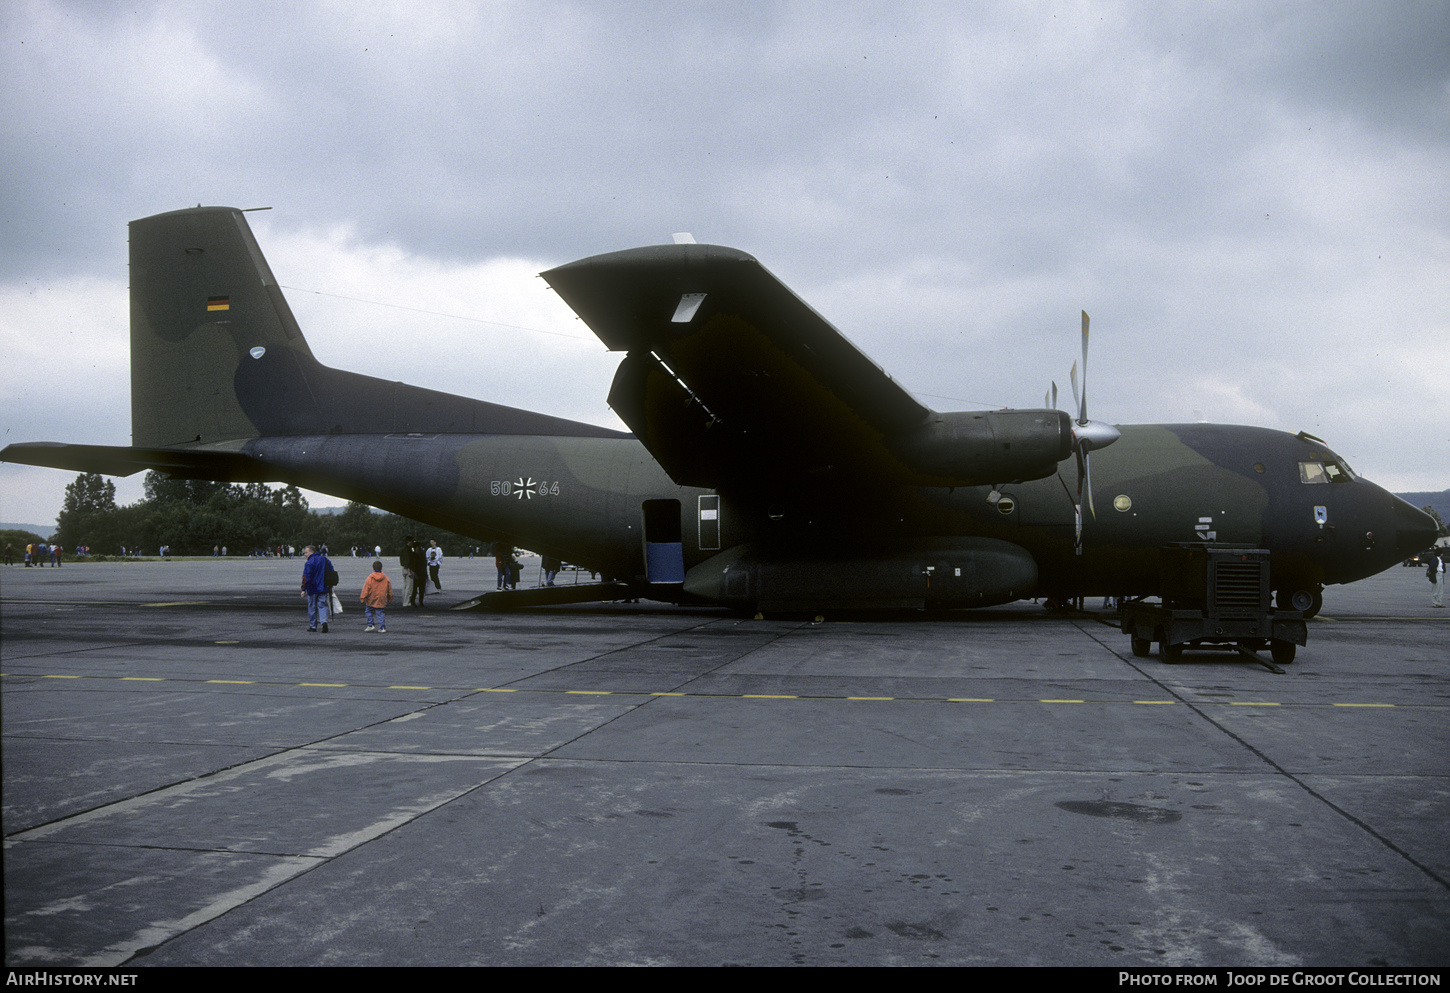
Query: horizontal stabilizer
[232, 467]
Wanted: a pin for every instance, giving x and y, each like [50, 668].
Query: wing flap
[669, 421]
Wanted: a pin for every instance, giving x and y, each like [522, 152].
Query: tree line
[194, 517]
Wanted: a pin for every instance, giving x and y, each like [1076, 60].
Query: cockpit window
[1324, 472]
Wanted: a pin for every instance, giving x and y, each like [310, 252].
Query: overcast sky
[1252, 200]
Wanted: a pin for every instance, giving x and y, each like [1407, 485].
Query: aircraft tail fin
[204, 307]
[217, 356]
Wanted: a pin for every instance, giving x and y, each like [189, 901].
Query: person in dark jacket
[416, 564]
[314, 588]
[508, 566]
[410, 581]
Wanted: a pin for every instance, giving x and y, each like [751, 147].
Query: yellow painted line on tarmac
[227, 643]
[728, 696]
[175, 603]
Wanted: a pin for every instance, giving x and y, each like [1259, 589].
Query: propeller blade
[1086, 436]
[1082, 406]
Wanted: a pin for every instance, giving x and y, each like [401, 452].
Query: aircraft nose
[1415, 530]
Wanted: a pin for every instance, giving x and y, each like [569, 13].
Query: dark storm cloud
[568, 128]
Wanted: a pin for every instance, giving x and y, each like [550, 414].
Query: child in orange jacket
[377, 593]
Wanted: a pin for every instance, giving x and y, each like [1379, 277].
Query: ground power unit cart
[1213, 595]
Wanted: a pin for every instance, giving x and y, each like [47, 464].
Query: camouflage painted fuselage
[582, 498]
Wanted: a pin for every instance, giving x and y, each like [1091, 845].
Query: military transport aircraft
[771, 465]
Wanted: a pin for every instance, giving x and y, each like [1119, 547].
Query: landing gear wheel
[1307, 600]
[1142, 647]
[1282, 652]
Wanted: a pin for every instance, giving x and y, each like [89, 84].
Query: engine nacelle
[925, 572]
[983, 447]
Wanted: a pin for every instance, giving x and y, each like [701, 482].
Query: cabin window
[1324, 472]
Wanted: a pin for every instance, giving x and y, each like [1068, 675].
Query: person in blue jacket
[314, 587]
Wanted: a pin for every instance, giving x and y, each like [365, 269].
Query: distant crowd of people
[38, 553]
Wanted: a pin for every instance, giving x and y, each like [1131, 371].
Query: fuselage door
[664, 550]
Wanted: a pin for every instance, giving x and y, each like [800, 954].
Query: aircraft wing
[729, 375]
